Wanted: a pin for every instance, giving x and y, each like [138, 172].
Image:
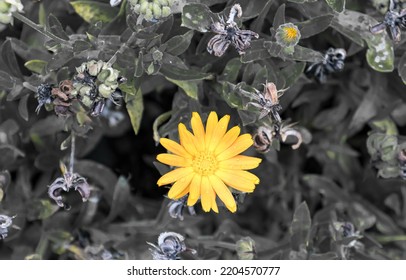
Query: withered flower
[170, 245]
[268, 101]
[176, 208]
[43, 96]
[5, 223]
[228, 33]
[333, 62]
[393, 20]
[265, 135]
[67, 182]
[62, 98]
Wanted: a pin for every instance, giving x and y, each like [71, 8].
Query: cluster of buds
[333, 62]
[265, 135]
[69, 181]
[170, 245]
[7, 8]
[94, 84]
[176, 208]
[5, 223]
[152, 10]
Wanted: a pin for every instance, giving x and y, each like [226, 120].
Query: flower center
[290, 33]
[205, 163]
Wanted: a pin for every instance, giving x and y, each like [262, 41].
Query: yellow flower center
[290, 33]
[205, 163]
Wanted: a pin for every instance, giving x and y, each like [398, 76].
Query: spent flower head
[394, 21]
[5, 223]
[176, 208]
[170, 245]
[208, 162]
[69, 181]
[228, 33]
[287, 35]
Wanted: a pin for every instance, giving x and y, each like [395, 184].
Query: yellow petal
[223, 193]
[213, 200]
[240, 162]
[211, 124]
[206, 194]
[174, 175]
[228, 139]
[219, 132]
[243, 174]
[194, 190]
[174, 147]
[236, 182]
[242, 143]
[187, 140]
[198, 130]
[173, 160]
[179, 186]
[183, 193]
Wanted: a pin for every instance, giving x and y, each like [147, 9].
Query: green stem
[122, 49]
[221, 244]
[42, 245]
[390, 238]
[38, 28]
[72, 152]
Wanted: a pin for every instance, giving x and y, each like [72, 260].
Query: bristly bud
[44, 96]
[246, 248]
[152, 10]
[170, 245]
[176, 208]
[287, 35]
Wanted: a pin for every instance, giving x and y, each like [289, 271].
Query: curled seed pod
[5, 223]
[333, 62]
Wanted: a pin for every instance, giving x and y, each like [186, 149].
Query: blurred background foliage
[341, 195]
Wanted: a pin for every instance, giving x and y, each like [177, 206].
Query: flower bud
[105, 90]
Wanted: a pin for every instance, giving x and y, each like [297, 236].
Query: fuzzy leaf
[299, 54]
[336, 5]
[121, 197]
[135, 108]
[402, 67]
[198, 17]
[356, 26]
[55, 27]
[179, 44]
[176, 73]
[36, 65]
[300, 227]
[314, 26]
[93, 12]
[189, 87]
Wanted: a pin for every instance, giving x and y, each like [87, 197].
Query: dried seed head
[170, 245]
[44, 96]
[5, 223]
[67, 182]
[176, 208]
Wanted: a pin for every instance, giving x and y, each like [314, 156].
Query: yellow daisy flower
[208, 163]
[287, 35]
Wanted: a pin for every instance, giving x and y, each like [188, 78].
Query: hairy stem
[38, 28]
[72, 152]
[126, 44]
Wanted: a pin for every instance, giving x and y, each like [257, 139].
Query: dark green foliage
[341, 195]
